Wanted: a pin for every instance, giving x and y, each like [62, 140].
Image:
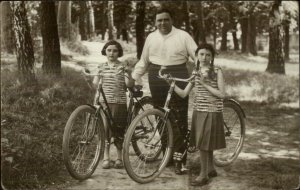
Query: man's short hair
[163, 10]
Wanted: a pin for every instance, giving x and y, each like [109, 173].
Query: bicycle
[159, 121]
[84, 134]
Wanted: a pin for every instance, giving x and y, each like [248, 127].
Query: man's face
[164, 23]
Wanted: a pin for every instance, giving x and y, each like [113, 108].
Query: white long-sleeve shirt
[174, 48]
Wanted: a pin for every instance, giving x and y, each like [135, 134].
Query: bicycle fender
[91, 106]
[238, 104]
[145, 98]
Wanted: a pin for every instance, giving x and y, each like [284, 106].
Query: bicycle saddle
[136, 91]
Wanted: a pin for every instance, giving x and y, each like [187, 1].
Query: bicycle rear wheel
[150, 132]
[234, 128]
[83, 142]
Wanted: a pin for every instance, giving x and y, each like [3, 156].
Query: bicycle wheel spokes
[234, 129]
[147, 139]
[144, 140]
[83, 143]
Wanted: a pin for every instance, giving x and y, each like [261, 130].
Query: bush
[32, 125]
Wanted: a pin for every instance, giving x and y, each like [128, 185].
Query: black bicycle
[84, 134]
[155, 125]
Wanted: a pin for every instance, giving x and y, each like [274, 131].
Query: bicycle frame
[133, 101]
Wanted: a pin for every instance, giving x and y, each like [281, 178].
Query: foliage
[33, 8]
[32, 124]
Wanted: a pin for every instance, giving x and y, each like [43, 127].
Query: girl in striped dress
[207, 132]
[115, 80]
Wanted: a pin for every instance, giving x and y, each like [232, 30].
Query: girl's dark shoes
[106, 164]
[118, 164]
[201, 182]
[212, 174]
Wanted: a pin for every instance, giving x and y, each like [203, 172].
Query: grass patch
[273, 173]
[261, 87]
[32, 124]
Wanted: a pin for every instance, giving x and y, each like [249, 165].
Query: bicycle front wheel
[83, 142]
[234, 128]
[150, 132]
[144, 104]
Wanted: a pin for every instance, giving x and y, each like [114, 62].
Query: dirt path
[270, 156]
[269, 159]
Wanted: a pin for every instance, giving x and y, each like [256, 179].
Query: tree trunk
[244, 29]
[6, 27]
[64, 20]
[105, 19]
[185, 8]
[140, 27]
[234, 28]
[276, 61]
[224, 37]
[200, 36]
[251, 35]
[91, 19]
[110, 15]
[23, 43]
[286, 46]
[125, 34]
[83, 20]
[214, 34]
[118, 32]
[235, 41]
[51, 46]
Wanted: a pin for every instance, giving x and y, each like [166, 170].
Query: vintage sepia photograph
[150, 95]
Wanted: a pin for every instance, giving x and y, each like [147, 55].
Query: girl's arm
[129, 80]
[185, 92]
[96, 81]
[220, 92]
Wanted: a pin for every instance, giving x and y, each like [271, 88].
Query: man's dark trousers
[159, 91]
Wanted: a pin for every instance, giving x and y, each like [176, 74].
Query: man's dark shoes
[177, 168]
[212, 174]
[201, 182]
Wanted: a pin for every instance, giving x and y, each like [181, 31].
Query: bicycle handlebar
[169, 76]
[86, 72]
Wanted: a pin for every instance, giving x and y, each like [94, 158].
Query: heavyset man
[170, 47]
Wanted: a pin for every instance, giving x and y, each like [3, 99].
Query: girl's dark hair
[112, 42]
[211, 72]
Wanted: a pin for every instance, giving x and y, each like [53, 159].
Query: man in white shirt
[170, 47]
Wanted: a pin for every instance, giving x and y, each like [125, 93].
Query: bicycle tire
[83, 142]
[147, 103]
[159, 134]
[234, 128]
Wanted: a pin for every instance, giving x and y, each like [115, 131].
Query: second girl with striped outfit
[207, 132]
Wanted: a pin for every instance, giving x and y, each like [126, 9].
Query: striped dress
[207, 131]
[114, 87]
[204, 101]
